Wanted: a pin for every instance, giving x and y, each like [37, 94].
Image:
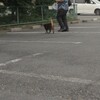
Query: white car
[86, 8]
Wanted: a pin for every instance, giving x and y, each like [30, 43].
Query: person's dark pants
[62, 19]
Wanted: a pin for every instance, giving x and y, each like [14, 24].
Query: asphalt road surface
[60, 66]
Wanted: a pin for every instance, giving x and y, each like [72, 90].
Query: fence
[31, 14]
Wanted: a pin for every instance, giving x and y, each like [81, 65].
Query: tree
[13, 4]
[44, 2]
[16, 6]
[16, 2]
[42, 5]
[24, 8]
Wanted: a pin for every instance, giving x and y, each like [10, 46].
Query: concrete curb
[32, 27]
[36, 26]
[15, 29]
[18, 29]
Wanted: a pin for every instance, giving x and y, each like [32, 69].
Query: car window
[93, 2]
[87, 1]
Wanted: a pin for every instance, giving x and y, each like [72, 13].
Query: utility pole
[75, 9]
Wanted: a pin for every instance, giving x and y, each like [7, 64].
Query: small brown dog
[49, 26]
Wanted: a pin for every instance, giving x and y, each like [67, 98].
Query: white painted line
[37, 54]
[25, 32]
[85, 27]
[89, 32]
[14, 61]
[50, 77]
[56, 42]
[11, 61]
[2, 64]
[19, 59]
[76, 42]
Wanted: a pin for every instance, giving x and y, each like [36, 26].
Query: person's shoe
[65, 30]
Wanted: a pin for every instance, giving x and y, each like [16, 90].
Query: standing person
[61, 15]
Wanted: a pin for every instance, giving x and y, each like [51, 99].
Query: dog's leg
[53, 29]
[52, 25]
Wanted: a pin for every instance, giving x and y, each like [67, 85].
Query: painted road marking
[50, 77]
[2, 64]
[54, 42]
[84, 27]
[19, 59]
[36, 32]
[37, 54]
[10, 61]
[25, 32]
[55, 32]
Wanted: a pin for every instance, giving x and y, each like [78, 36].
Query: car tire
[71, 11]
[97, 12]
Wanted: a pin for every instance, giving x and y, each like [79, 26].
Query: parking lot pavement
[60, 66]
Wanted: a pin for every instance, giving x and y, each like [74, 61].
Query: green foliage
[16, 2]
[25, 11]
[44, 2]
[2, 9]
